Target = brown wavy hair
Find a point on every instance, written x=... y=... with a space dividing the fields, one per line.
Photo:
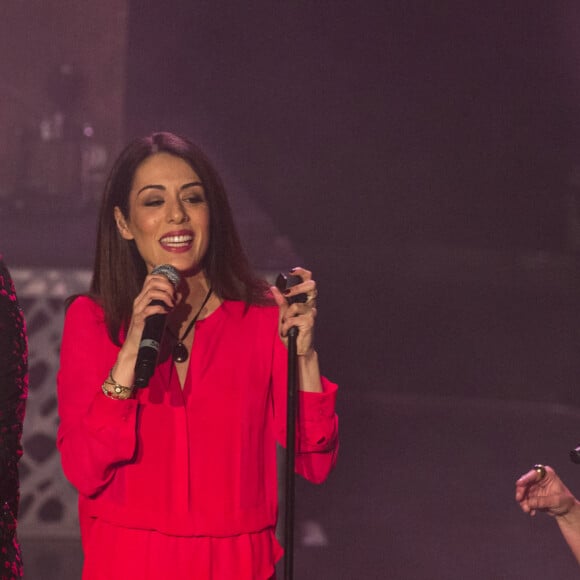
x=119 y=271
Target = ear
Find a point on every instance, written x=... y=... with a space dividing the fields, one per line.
x=122 y=224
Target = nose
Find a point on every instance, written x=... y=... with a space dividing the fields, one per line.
x=176 y=212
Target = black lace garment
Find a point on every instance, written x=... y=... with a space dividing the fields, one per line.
x=13 y=393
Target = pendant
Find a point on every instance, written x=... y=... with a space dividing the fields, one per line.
x=180 y=353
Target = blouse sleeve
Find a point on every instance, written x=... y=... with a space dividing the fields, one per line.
x=96 y=434
x=316 y=422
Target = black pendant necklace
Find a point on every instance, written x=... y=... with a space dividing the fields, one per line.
x=180 y=352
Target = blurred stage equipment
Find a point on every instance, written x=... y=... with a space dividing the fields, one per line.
x=67 y=163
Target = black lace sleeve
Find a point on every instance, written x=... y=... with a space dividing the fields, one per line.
x=13 y=394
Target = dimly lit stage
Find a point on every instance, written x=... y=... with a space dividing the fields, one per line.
x=459 y=373
x=423 y=491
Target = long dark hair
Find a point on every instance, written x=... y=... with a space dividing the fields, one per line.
x=119 y=271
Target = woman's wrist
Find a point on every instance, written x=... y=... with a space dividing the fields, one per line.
x=114 y=390
x=309 y=356
x=309 y=372
x=570 y=516
x=124 y=368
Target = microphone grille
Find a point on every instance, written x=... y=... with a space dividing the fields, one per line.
x=170 y=272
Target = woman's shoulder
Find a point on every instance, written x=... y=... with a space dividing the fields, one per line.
x=84 y=306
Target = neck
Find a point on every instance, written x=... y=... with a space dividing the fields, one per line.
x=193 y=290
x=195 y=287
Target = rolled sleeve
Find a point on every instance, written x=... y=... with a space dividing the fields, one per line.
x=317 y=419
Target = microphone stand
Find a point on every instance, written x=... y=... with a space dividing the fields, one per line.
x=290 y=455
x=282 y=283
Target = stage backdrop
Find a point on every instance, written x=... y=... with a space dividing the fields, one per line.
x=62 y=95
x=48 y=502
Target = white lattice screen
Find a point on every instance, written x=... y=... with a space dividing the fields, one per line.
x=48 y=501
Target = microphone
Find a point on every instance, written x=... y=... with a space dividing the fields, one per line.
x=152 y=333
x=283 y=282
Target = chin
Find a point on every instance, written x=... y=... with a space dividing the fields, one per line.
x=190 y=269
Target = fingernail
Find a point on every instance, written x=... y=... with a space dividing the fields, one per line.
x=293 y=270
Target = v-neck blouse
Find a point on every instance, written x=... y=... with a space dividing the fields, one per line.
x=197 y=461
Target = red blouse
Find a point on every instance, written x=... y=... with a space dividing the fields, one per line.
x=197 y=461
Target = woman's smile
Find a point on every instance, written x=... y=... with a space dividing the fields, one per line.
x=180 y=241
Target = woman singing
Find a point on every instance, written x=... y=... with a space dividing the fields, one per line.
x=178 y=479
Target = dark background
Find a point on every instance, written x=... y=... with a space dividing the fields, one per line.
x=454 y=122
x=413 y=151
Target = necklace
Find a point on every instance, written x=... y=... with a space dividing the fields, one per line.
x=180 y=352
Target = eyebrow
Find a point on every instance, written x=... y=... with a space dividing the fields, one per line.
x=162 y=187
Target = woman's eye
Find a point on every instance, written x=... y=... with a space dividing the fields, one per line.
x=152 y=202
x=194 y=198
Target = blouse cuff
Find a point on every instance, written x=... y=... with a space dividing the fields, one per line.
x=113 y=422
x=318 y=406
x=318 y=419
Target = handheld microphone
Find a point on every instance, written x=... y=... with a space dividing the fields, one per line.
x=283 y=282
x=152 y=333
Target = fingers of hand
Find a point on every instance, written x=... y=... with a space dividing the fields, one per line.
x=157 y=296
x=554 y=504
x=549 y=496
x=305 y=325
x=278 y=298
x=302 y=272
x=311 y=298
x=520 y=492
x=528 y=478
x=524 y=506
x=529 y=488
x=160 y=283
x=529 y=505
x=299 y=315
x=307 y=286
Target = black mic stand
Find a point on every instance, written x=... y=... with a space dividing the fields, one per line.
x=283 y=282
x=290 y=452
